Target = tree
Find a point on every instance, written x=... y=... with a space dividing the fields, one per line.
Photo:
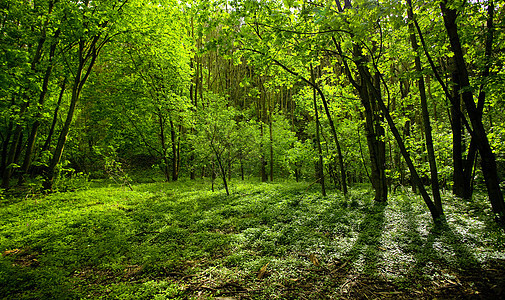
x=462 y=82
x=217 y=135
x=426 y=118
x=143 y=76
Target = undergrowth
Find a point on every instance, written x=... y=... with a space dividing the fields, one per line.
x=277 y=240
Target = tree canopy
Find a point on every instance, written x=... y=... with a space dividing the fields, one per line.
x=261 y=149
x=391 y=93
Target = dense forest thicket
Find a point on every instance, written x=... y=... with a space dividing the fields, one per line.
x=393 y=93
x=284 y=129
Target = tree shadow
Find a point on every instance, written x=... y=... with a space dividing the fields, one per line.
x=444 y=265
x=366 y=247
x=357 y=274
x=442 y=244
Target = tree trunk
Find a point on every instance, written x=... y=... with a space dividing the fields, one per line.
x=460 y=186
x=35 y=127
x=335 y=138
x=373 y=128
x=174 y=150
x=6 y=141
x=271 y=147
x=47 y=143
x=5 y=147
x=85 y=54
x=469 y=162
x=435 y=214
x=241 y=169
x=48 y=183
x=320 y=170
x=14 y=150
x=263 y=163
x=488 y=161
x=222 y=170
x=370 y=96
x=426 y=118
x=164 y=148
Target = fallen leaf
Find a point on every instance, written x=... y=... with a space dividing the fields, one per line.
x=9 y=252
x=262 y=271
x=313 y=259
x=451 y=282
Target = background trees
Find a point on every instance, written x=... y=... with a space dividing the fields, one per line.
x=47 y=43
x=227 y=88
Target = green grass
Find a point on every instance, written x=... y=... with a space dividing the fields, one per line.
x=180 y=240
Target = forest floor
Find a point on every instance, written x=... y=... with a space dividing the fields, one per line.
x=265 y=241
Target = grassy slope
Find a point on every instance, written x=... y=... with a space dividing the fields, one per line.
x=180 y=240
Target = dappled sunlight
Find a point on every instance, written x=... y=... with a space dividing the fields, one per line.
x=266 y=240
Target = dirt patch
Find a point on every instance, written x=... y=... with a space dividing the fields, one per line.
x=340 y=283
x=23 y=258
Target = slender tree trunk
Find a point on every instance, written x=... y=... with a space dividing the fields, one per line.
x=320 y=170
x=435 y=214
x=192 y=174
x=48 y=183
x=373 y=127
x=241 y=169
x=178 y=165
x=471 y=157
x=370 y=97
x=8 y=170
x=459 y=183
x=174 y=150
x=222 y=170
x=19 y=147
x=166 y=170
x=164 y=147
x=374 y=131
x=16 y=146
x=335 y=138
x=5 y=148
x=263 y=163
x=30 y=145
x=86 y=55
x=35 y=127
x=14 y=150
x=426 y=118
x=47 y=143
x=367 y=81
x=6 y=141
x=213 y=175
x=271 y=147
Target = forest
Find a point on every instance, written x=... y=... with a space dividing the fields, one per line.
x=252 y=149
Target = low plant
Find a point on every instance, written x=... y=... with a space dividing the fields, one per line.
x=277 y=240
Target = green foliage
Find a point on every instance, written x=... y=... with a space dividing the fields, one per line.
x=300 y=155
x=162 y=240
x=67 y=179
x=222 y=88
x=156 y=290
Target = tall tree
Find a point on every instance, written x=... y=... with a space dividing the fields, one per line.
x=426 y=118
x=450 y=13
x=319 y=168
x=91 y=26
